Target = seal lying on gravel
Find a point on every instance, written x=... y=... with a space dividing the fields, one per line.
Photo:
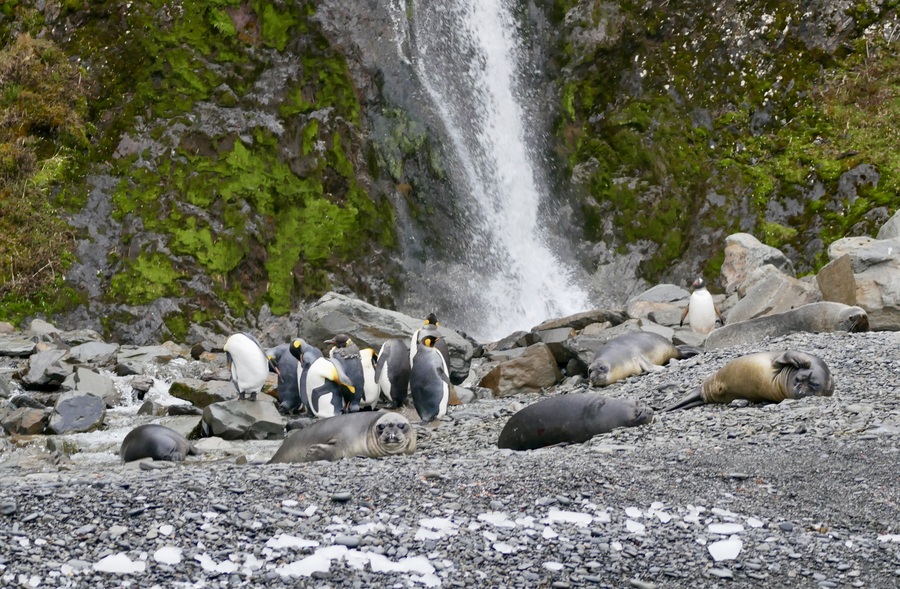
x=368 y=433
x=634 y=353
x=157 y=442
x=764 y=377
x=572 y=418
x=823 y=317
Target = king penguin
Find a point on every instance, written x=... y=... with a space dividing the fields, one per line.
x=429 y=328
x=392 y=372
x=701 y=312
x=429 y=381
x=288 y=377
x=248 y=364
x=369 y=359
x=345 y=354
x=326 y=388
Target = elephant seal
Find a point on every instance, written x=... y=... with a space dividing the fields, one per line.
x=822 y=317
x=369 y=433
x=764 y=377
x=572 y=418
x=157 y=442
x=634 y=353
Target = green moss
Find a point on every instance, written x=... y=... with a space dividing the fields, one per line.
x=177 y=325
x=149 y=277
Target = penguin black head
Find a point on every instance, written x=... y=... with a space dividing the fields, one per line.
x=296 y=348
x=430 y=340
x=431 y=319
x=340 y=340
x=699 y=283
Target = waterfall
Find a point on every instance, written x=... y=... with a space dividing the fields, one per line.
x=467 y=57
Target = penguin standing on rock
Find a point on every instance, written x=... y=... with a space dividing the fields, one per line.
x=429 y=381
x=701 y=312
x=345 y=354
x=392 y=372
x=248 y=364
x=326 y=389
x=368 y=359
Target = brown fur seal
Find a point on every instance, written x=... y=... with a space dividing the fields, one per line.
x=572 y=418
x=367 y=433
x=634 y=353
x=764 y=377
x=823 y=317
x=157 y=442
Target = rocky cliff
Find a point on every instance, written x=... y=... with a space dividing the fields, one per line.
x=210 y=159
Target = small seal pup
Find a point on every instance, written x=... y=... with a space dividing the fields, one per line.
x=392 y=372
x=634 y=353
x=572 y=418
x=701 y=312
x=371 y=433
x=763 y=377
x=157 y=442
x=248 y=364
x=821 y=317
x=429 y=381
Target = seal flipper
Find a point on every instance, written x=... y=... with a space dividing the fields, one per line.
x=328 y=451
x=694 y=399
x=685 y=351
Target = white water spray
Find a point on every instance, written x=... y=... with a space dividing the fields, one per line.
x=467 y=57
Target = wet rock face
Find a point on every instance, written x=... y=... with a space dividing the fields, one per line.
x=77 y=412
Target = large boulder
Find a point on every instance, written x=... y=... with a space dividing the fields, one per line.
x=77 y=412
x=876 y=272
x=579 y=321
x=95 y=353
x=47 y=369
x=16 y=345
x=534 y=370
x=744 y=254
x=767 y=291
x=201 y=393
x=370 y=326
x=143 y=354
x=26 y=421
x=661 y=298
x=891 y=228
x=84 y=380
x=836 y=281
x=243 y=420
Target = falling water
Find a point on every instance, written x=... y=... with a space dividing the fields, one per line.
x=467 y=57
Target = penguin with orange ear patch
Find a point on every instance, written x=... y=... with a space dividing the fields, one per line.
x=429 y=381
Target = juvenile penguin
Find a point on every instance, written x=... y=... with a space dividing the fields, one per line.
x=764 y=377
x=429 y=381
x=429 y=328
x=288 y=377
x=248 y=364
x=701 y=312
x=157 y=442
x=326 y=389
x=345 y=354
x=370 y=387
x=392 y=372
x=634 y=353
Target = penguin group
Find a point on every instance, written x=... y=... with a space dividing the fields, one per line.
x=348 y=378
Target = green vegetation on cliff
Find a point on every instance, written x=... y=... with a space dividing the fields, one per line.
x=690 y=118
x=234 y=130
x=42 y=129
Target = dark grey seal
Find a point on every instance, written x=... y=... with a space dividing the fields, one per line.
x=157 y=442
x=571 y=418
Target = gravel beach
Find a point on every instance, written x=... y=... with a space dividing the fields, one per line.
x=802 y=494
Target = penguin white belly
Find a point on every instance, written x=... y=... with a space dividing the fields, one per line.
x=249 y=364
x=320 y=388
x=370 y=387
x=701 y=312
x=384 y=381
